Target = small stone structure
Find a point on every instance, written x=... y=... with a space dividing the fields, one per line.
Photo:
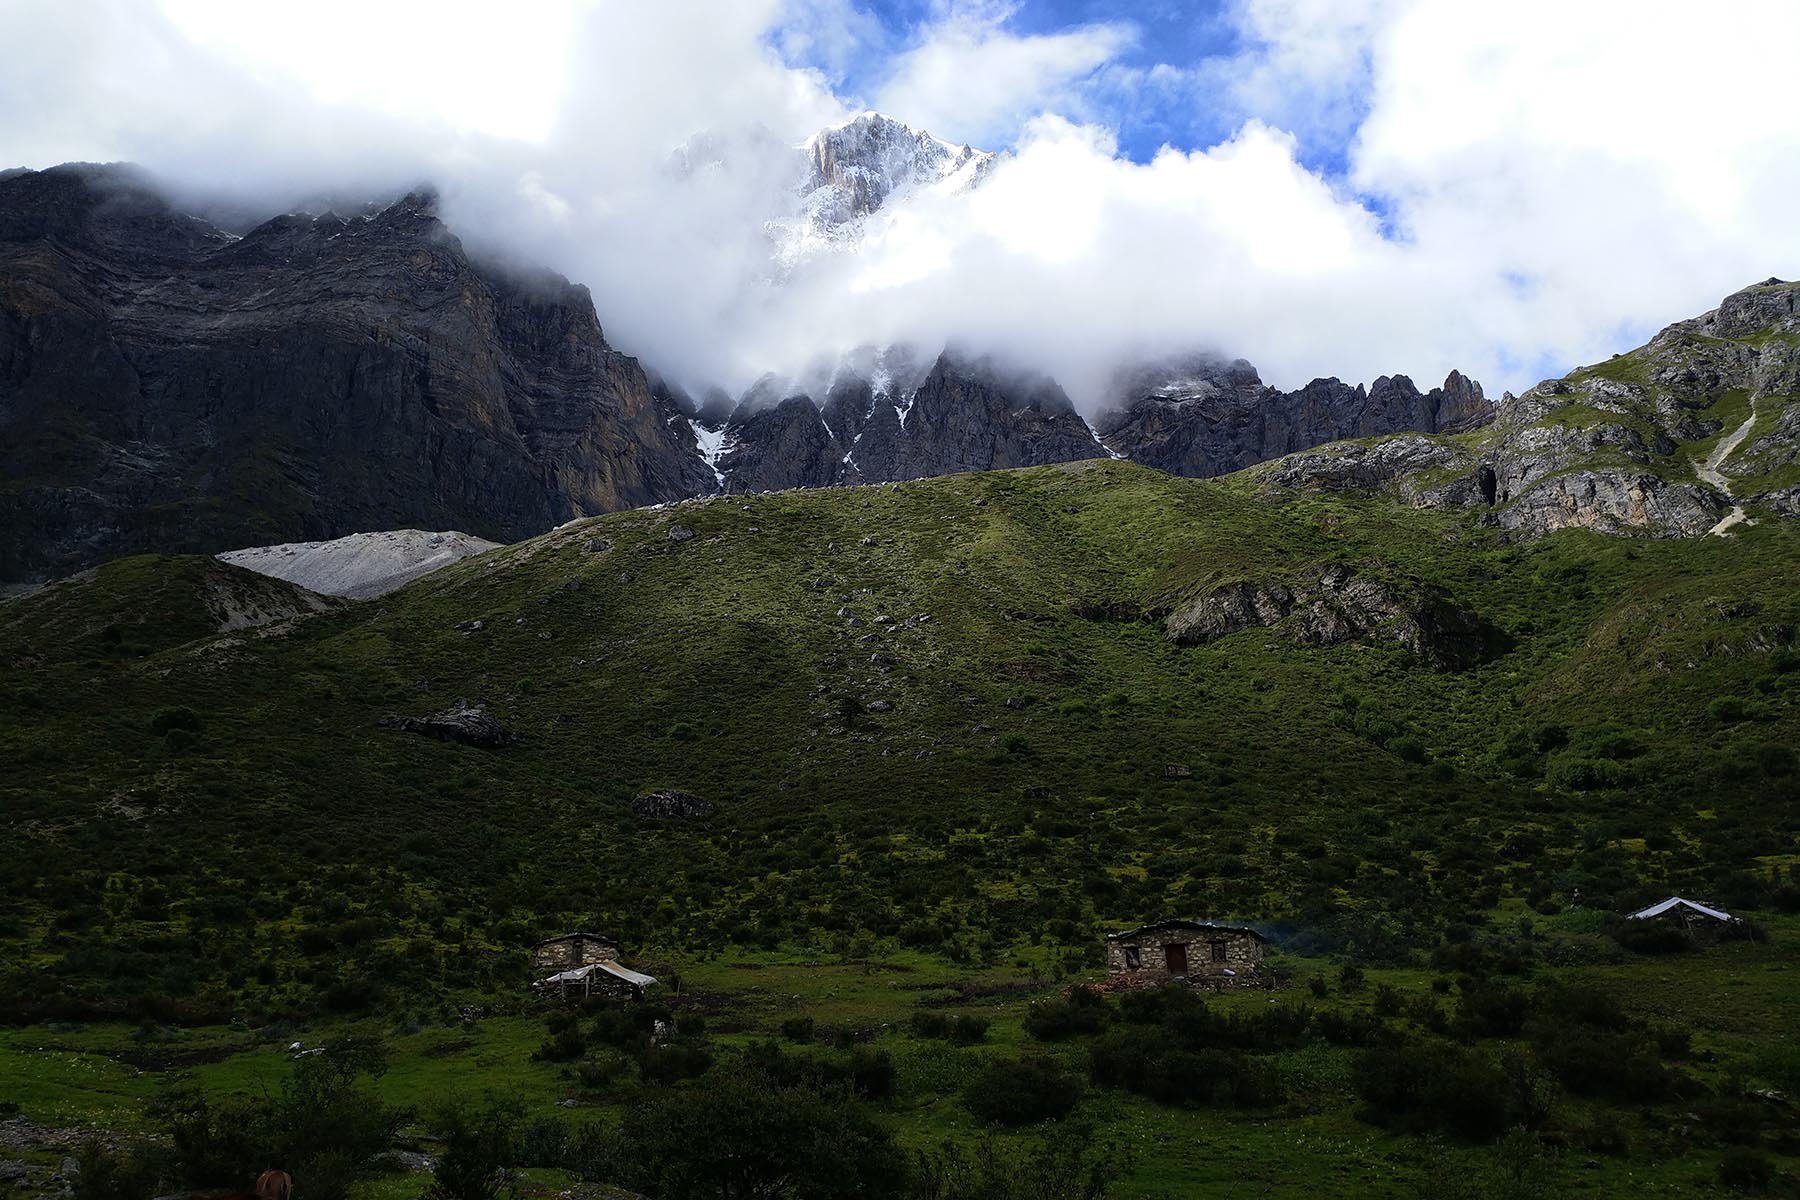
x=572 y=950
x=1196 y=951
x=584 y=965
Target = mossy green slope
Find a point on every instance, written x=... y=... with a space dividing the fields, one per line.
x=1039 y=772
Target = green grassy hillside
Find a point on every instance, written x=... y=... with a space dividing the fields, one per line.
x=975 y=788
x=1039 y=773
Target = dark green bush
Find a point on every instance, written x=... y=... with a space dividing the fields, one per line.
x=1728 y=709
x=1078 y=1014
x=1745 y=1170
x=1617 y=1066
x=1019 y=1091
x=1150 y=1063
x=166 y=720
x=960 y=1028
x=129 y=1173
x=479 y=1147
x=670 y=1062
x=325 y=1126
x=741 y=1135
x=1426 y=1085
x=1060 y=1166
x=1490 y=1010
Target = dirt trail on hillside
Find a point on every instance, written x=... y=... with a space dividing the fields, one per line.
x=1709 y=471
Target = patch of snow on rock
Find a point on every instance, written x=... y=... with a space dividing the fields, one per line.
x=714 y=444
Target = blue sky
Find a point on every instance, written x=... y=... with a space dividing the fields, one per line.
x=1189 y=104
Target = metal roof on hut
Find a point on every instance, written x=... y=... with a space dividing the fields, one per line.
x=1182 y=923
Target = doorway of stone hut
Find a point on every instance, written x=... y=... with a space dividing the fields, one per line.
x=1175 y=955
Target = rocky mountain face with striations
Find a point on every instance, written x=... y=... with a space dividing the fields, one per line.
x=1698 y=431
x=1206 y=417
x=961 y=414
x=1199 y=418
x=166 y=385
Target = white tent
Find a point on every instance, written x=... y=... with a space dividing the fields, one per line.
x=584 y=976
x=1680 y=907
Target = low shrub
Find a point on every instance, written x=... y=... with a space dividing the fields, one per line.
x=1745 y=1170
x=743 y=1134
x=950 y=1027
x=671 y=1062
x=1080 y=1013
x=1149 y=1063
x=479 y=1146
x=1431 y=1085
x=129 y=1173
x=1019 y=1091
x=1061 y=1166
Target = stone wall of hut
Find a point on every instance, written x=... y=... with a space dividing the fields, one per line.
x=566 y=954
x=1243 y=954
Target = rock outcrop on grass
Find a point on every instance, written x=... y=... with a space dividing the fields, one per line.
x=670 y=803
x=1332 y=604
x=465 y=723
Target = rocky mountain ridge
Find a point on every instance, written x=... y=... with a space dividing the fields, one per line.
x=165 y=385
x=1197 y=417
x=1690 y=434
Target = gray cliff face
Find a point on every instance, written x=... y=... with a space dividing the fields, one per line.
x=1207 y=417
x=964 y=415
x=1693 y=433
x=166 y=386
x=1200 y=418
x=780 y=446
x=970 y=416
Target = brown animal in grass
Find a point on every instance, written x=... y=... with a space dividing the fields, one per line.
x=274 y=1185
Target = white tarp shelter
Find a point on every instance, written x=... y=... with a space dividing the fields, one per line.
x=1676 y=906
x=584 y=976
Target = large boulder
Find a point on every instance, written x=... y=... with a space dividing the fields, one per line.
x=465 y=723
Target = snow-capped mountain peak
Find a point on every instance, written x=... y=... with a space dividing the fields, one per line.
x=836 y=191
x=858 y=165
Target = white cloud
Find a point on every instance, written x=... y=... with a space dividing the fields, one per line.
x=506 y=62
x=1631 y=160
x=1523 y=187
x=970 y=80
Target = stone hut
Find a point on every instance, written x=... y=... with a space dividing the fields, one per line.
x=1198 y=951
x=573 y=950
x=584 y=965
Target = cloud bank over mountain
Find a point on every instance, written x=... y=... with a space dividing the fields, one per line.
x=1400 y=186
